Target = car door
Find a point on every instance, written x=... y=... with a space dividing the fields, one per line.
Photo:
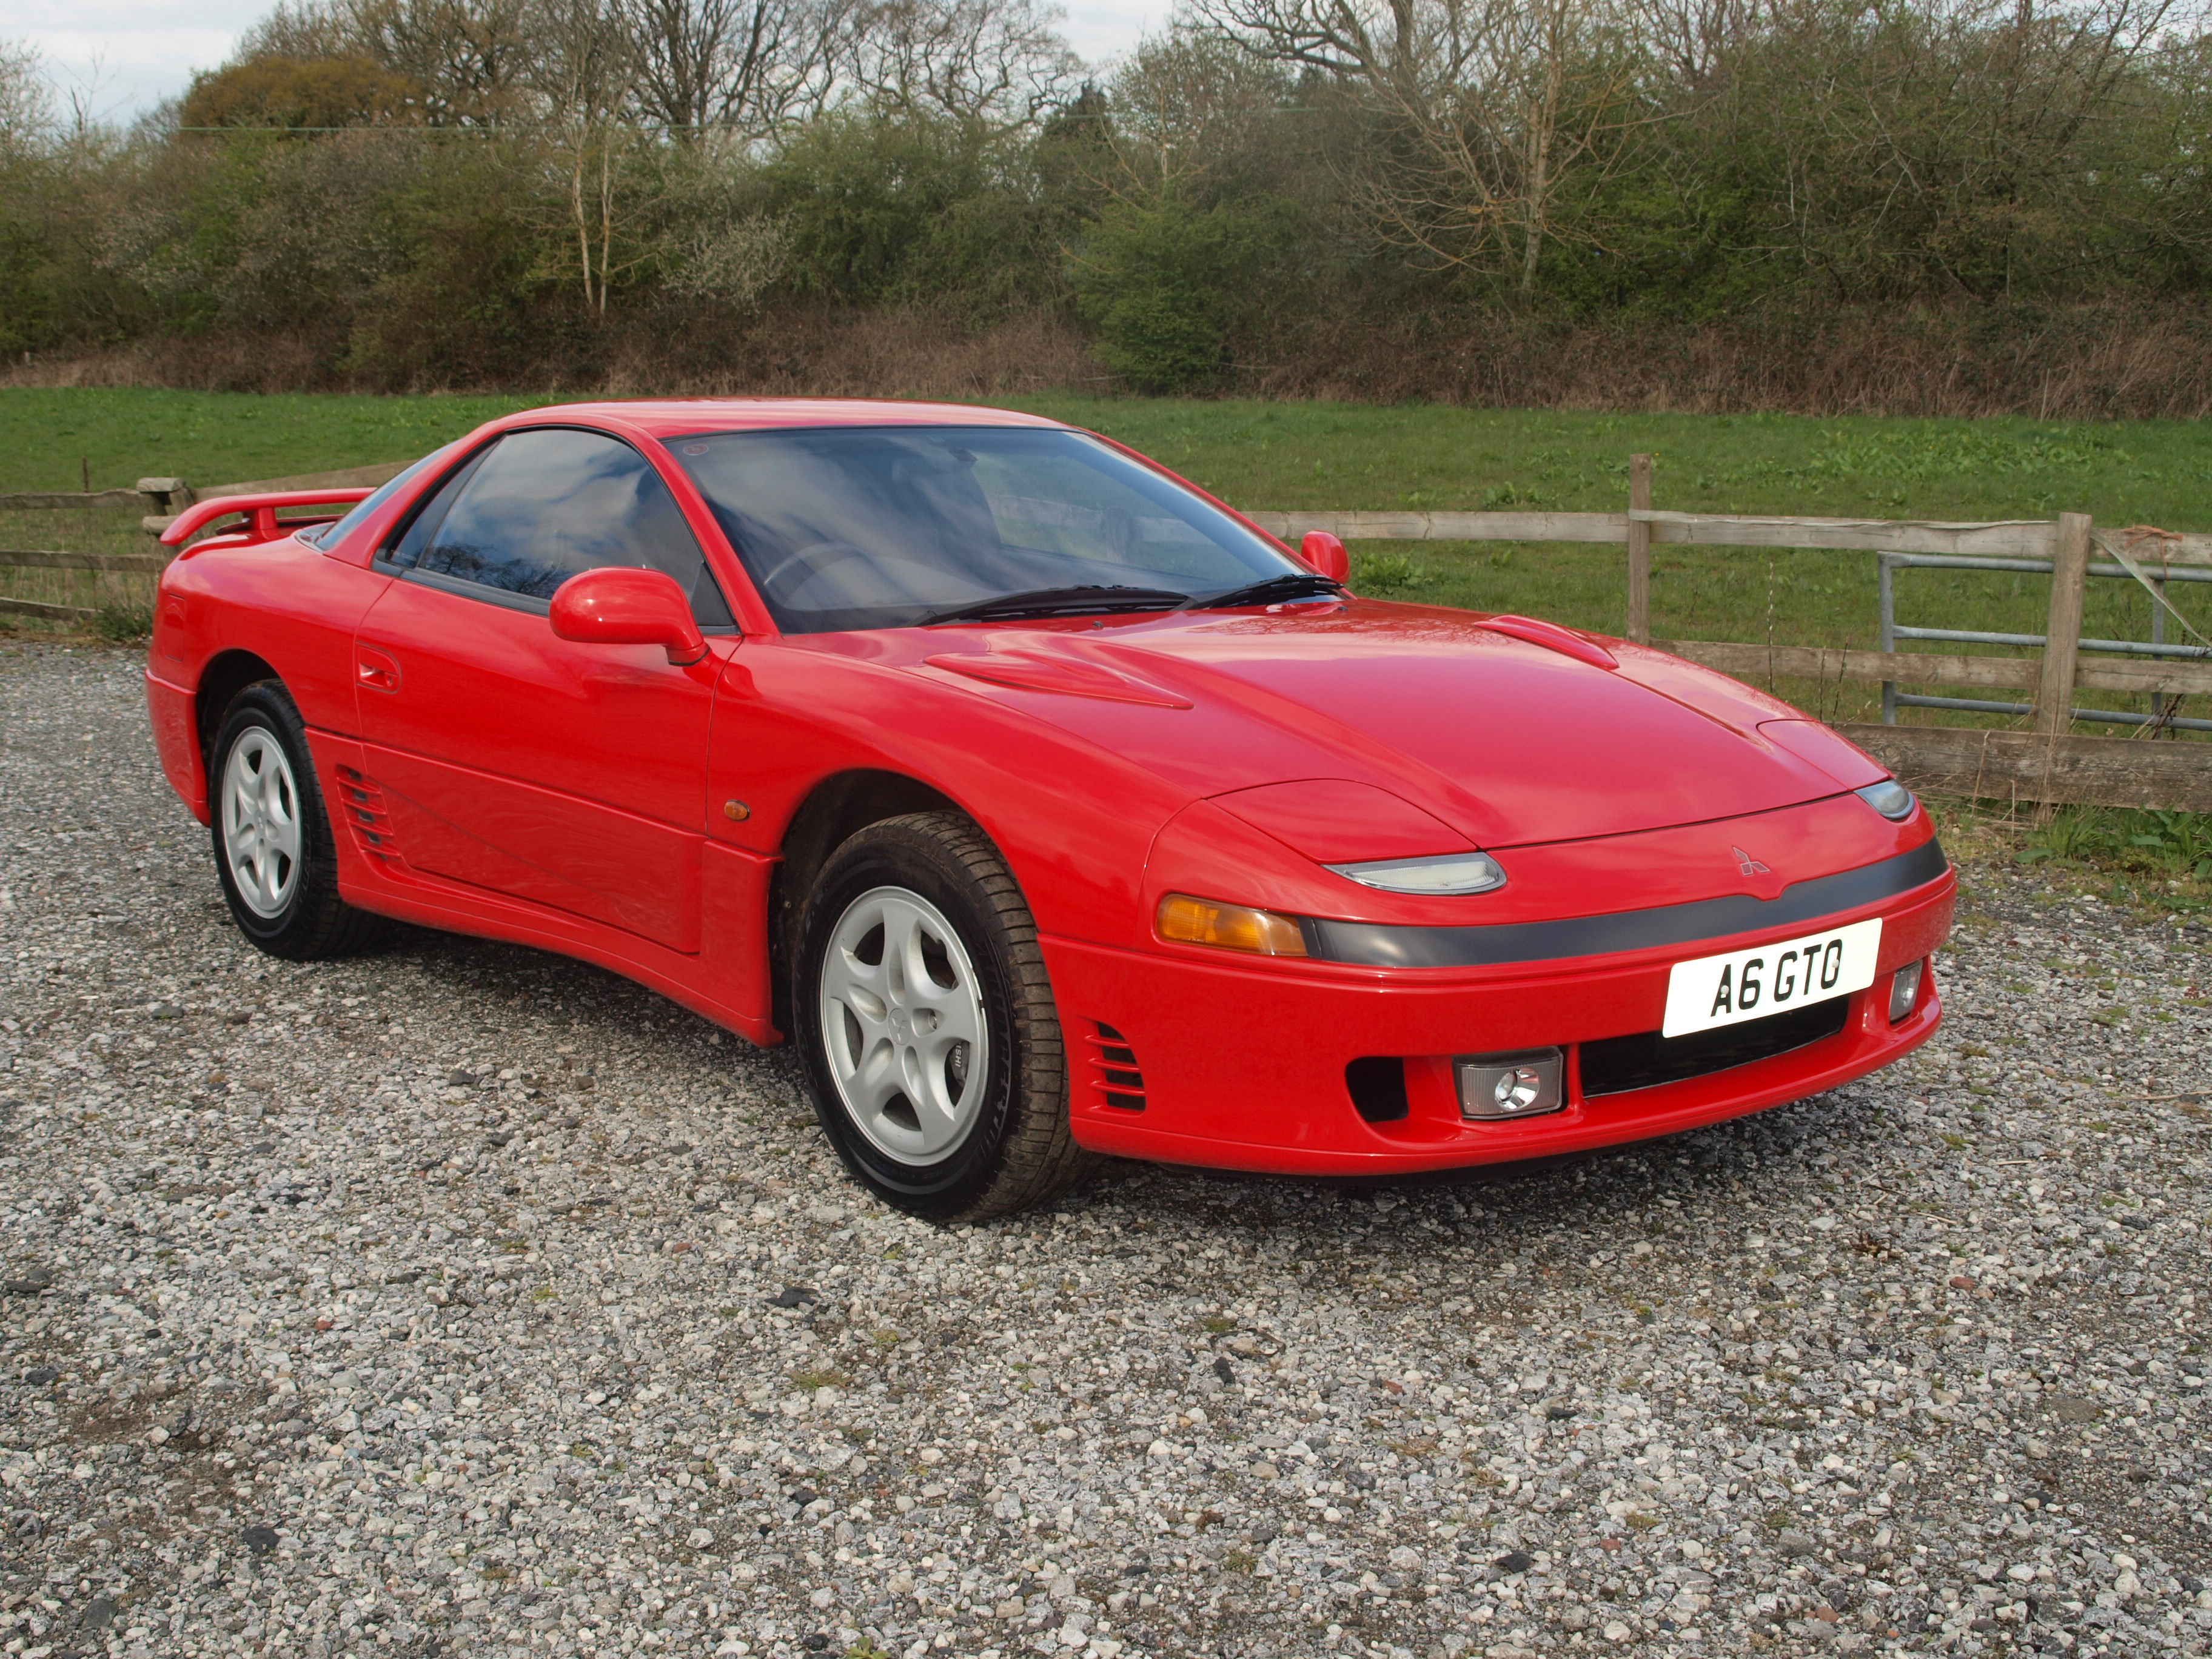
x=565 y=774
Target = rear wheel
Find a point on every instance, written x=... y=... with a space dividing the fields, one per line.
x=925 y=1024
x=273 y=846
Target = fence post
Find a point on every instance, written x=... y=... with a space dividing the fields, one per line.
x=1639 y=551
x=1885 y=592
x=2062 y=645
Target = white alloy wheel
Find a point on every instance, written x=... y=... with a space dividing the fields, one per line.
x=261 y=831
x=902 y=1024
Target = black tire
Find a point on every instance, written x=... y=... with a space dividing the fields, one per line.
x=1016 y=1149
x=311 y=923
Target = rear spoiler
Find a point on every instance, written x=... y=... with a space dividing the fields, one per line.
x=262 y=524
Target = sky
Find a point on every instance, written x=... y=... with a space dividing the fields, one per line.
x=122 y=56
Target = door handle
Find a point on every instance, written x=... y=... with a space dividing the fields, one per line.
x=374 y=671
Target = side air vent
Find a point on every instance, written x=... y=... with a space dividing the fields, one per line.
x=1378 y=1086
x=361 y=804
x=1113 y=1070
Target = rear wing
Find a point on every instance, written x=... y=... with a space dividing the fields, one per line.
x=261 y=515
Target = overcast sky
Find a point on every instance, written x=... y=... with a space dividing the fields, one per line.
x=128 y=55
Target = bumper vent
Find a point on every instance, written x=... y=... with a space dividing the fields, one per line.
x=361 y=805
x=1377 y=1084
x=1114 y=1072
x=1646 y=1060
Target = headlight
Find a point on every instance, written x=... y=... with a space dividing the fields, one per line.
x=1231 y=927
x=1455 y=872
x=1889 y=797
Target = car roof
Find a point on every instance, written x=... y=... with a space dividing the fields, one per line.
x=671 y=416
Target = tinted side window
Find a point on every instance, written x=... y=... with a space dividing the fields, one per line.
x=331 y=534
x=539 y=506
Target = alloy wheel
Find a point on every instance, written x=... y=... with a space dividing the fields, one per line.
x=902 y=1024
x=261 y=831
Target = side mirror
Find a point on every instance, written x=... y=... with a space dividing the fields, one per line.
x=620 y=604
x=1326 y=554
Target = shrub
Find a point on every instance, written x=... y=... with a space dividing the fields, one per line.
x=123 y=622
x=1377 y=573
x=279 y=91
x=1168 y=286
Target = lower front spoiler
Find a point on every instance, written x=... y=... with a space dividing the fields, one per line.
x=1220 y=1064
x=1867 y=1043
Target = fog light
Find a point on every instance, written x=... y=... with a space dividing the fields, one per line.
x=1904 y=990
x=1520 y=1085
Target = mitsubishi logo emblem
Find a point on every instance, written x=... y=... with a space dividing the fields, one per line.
x=1747 y=865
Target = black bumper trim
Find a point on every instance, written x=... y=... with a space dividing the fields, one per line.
x=1367 y=944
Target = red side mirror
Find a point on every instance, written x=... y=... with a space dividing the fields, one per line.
x=1326 y=554
x=619 y=605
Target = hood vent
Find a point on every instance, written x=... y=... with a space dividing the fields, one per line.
x=1070 y=676
x=1533 y=631
x=1114 y=1072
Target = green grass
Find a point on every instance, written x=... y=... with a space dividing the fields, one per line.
x=127 y=433
x=1273 y=455
x=1325 y=455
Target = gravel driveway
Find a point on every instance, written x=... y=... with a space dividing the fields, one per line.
x=459 y=1299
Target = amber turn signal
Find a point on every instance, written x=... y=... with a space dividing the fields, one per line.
x=1232 y=926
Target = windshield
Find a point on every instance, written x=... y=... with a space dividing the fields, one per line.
x=863 y=527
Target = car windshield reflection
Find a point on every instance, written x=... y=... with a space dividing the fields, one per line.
x=889 y=526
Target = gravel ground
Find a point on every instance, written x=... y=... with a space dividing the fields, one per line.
x=459 y=1300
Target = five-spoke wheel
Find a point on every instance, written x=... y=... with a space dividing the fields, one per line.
x=261 y=841
x=903 y=1019
x=273 y=846
x=927 y=1025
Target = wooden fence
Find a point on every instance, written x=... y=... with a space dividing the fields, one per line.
x=160 y=500
x=2042 y=765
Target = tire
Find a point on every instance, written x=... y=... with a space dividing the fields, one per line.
x=954 y=1007
x=273 y=849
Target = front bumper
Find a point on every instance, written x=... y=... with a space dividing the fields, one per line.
x=1199 y=1058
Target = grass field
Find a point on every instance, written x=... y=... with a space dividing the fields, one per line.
x=1292 y=456
x=1275 y=455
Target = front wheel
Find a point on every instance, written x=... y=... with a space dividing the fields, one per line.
x=925 y=1024
x=273 y=846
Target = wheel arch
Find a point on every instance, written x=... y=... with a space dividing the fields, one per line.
x=227 y=674
x=837 y=808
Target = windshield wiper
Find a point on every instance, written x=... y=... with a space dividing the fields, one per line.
x=1274 y=589
x=1059 y=602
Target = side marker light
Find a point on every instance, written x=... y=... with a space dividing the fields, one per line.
x=1190 y=921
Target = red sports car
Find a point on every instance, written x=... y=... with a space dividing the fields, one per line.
x=1052 y=807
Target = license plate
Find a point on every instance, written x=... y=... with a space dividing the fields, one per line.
x=1770 y=979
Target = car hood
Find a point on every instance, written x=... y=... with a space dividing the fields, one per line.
x=1505 y=739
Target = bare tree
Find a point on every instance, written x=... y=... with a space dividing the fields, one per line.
x=743 y=67
x=472 y=56
x=1190 y=106
x=27 y=102
x=302 y=30
x=583 y=71
x=1001 y=63
x=1489 y=110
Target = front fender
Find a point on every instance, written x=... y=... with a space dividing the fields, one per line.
x=1072 y=819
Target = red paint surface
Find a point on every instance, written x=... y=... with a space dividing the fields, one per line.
x=490 y=778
